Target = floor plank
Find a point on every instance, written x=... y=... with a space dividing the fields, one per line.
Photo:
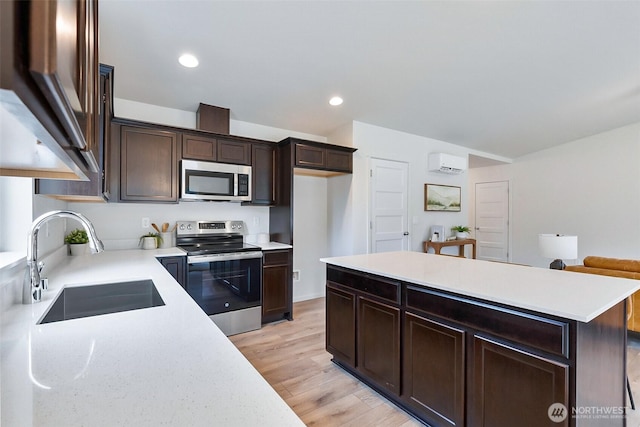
x=291 y=356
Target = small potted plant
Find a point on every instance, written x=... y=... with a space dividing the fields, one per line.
x=462 y=232
x=150 y=240
x=78 y=242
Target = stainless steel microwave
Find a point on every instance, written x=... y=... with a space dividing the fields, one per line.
x=215 y=181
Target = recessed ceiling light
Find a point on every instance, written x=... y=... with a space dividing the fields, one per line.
x=188 y=60
x=336 y=100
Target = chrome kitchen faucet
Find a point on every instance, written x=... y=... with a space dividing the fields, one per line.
x=32 y=287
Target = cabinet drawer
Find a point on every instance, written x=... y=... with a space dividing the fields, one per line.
x=529 y=329
x=275 y=257
x=373 y=285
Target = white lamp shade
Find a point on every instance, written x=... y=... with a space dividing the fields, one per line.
x=558 y=246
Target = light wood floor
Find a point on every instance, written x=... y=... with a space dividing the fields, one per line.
x=292 y=358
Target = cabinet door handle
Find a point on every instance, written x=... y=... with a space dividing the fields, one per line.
x=406 y=233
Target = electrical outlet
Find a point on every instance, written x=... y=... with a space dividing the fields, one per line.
x=256 y=220
x=296 y=275
x=145 y=223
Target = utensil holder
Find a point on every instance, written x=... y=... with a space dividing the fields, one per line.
x=167 y=240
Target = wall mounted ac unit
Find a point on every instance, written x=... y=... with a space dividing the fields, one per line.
x=446 y=163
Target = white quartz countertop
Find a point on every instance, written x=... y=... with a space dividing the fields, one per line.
x=272 y=246
x=570 y=295
x=167 y=365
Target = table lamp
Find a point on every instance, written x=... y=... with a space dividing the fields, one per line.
x=558 y=247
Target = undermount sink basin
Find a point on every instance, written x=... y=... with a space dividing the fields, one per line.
x=85 y=301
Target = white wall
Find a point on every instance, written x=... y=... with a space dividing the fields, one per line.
x=588 y=187
x=119 y=225
x=309 y=235
x=376 y=142
x=15 y=213
x=187 y=119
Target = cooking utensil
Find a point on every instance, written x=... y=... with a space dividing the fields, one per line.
x=165 y=227
x=155 y=227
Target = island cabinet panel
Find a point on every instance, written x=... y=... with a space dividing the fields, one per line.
x=545 y=334
x=385 y=289
x=341 y=325
x=434 y=370
x=378 y=348
x=453 y=360
x=510 y=384
x=148 y=165
x=195 y=147
x=364 y=326
x=276 y=285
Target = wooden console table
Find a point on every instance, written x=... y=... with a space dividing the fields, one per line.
x=437 y=246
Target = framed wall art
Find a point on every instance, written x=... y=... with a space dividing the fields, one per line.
x=441 y=198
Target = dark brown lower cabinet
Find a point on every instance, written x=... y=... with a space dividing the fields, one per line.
x=276 y=285
x=511 y=384
x=378 y=339
x=451 y=360
x=434 y=370
x=341 y=325
x=177 y=267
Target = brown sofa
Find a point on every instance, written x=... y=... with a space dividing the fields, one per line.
x=627 y=268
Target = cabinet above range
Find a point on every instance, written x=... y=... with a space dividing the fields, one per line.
x=145 y=159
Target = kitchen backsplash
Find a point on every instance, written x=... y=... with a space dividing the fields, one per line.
x=119 y=225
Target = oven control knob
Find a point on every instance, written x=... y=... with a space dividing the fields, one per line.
x=226 y=304
x=189 y=227
x=181 y=227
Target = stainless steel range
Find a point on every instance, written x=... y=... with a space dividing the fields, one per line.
x=224 y=274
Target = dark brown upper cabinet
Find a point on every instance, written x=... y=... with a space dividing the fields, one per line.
x=322 y=157
x=236 y=152
x=66 y=69
x=197 y=147
x=97 y=188
x=50 y=76
x=148 y=165
x=263 y=162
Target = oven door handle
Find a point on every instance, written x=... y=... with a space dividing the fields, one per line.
x=223 y=257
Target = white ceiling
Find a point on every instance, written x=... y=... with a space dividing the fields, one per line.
x=503 y=77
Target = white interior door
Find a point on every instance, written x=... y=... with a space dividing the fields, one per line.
x=388 y=206
x=492 y=221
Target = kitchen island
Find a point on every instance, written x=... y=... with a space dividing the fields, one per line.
x=165 y=365
x=464 y=342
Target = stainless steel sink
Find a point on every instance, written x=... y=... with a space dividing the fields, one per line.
x=84 y=301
